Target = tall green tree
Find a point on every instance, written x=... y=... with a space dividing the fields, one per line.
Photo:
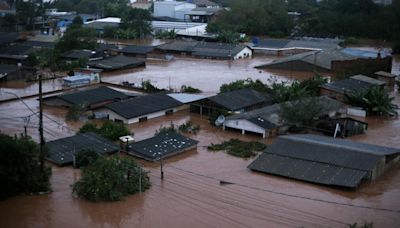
x=77 y=38
x=20 y=170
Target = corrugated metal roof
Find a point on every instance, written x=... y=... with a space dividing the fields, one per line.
x=241 y=99
x=143 y=105
x=321 y=159
x=93 y=96
x=347 y=86
x=137 y=49
x=367 y=79
x=186 y=97
x=116 y=62
x=61 y=151
x=163 y=144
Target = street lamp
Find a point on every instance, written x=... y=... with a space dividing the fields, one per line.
x=160 y=157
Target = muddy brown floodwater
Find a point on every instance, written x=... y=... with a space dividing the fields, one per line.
x=191 y=193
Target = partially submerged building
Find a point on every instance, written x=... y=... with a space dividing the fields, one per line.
x=267 y=121
x=77 y=54
x=329 y=61
x=386 y=77
x=324 y=160
x=340 y=90
x=142 y=108
x=161 y=146
x=119 y=62
x=237 y=101
x=136 y=50
x=208 y=50
x=62 y=151
x=89 y=98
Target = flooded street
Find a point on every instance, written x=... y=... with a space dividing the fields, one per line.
x=191 y=193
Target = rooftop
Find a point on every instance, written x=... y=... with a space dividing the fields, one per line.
x=137 y=49
x=163 y=144
x=143 y=105
x=78 y=54
x=186 y=97
x=320 y=159
x=240 y=99
x=61 y=151
x=282 y=44
x=367 y=79
x=116 y=63
x=347 y=86
x=93 y=96
x=6 y=38
x=385 y=74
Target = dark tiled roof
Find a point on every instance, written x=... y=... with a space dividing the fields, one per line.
x=184 y=46
x=347 y=86
x=78 y=54
x=143 y=105
x=320 y=159
x=272 y=43
x=240 y=99
x=39 y=44
x=7 y=69
x=116 y=63
x=217 y=49
x=16 y=50
x=137 y=49
x=93 y=96
x=61 y=151
x=167 y=144
x=6 y=38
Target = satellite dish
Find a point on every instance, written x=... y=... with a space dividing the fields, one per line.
x=220 y=120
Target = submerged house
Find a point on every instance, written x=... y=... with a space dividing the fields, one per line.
x=142 y=108
x=329 y=61
x=267 y=121
x=237 y=101
x=209 y=50
x=89 y=98
x=386 y=76
x=162 y=145
x=324 y=160
x=119 y=62
x=136 y=50
x=342 y=126
x=339 y=90
x=62 y=151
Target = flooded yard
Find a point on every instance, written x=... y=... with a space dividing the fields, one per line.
x=191 y=193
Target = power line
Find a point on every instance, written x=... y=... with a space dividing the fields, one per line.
x=288 y=194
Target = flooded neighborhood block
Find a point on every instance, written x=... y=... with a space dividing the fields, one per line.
x=163 y=145
x=325 y=160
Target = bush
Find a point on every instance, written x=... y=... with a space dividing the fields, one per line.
x=111 y=180
x=20 y=167
x=85 y=157
x=189 y=127
x=189 y=89
x=242 y=84
x=238 y=148
x=110 y=130
x=75 y=112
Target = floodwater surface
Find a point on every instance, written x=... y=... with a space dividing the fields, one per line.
x=191 y=194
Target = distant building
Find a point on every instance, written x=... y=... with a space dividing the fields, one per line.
x=172 y=9
x=100 y=24
x=324 y=160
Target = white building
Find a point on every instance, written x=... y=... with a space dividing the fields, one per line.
x=173 y=9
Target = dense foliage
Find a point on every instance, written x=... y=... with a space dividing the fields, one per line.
x=111 y=179
x=20 y=167
x=85 y=157
x=189 y=89
x=375 y=100
x=301 y=113
x=348 y=18
x=110 y=130
x=238 y=148
x=77 y=37
x=242 y=84
x=75 y=112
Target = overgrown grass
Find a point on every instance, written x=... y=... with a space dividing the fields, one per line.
x=238 y=148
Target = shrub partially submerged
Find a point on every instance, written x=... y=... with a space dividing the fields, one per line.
x=238 y=148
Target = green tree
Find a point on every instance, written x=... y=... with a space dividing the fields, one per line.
x=113 y=130
x=301 y=112
x=88 y=127
x=137 y=20
x=375 y=100
x=242 y=84
x=20 y=169
x=75 y=112
x=77 y=38
x=111 y=179
x=85 y=157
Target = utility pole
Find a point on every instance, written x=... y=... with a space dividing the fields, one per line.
x=41 y=123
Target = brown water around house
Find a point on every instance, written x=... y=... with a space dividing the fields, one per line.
x=191 y=193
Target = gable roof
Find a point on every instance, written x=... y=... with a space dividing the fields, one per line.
x=78 y=54
x=116 y=62
x=367 y=79
x=61 y=151
x=385 y=74
x=320 y=159
x=143 y=105
x=217 y=49
x=347 y=86
x=166 y=144
x=93 y=96
x=240 y=99
x=187 y=98
x=322 y=59
x=311 y=44
x=137 y=49
x=178 y=45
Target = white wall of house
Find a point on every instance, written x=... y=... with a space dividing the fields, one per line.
x=114 y=116
x=245 y=53
x=244 y=125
